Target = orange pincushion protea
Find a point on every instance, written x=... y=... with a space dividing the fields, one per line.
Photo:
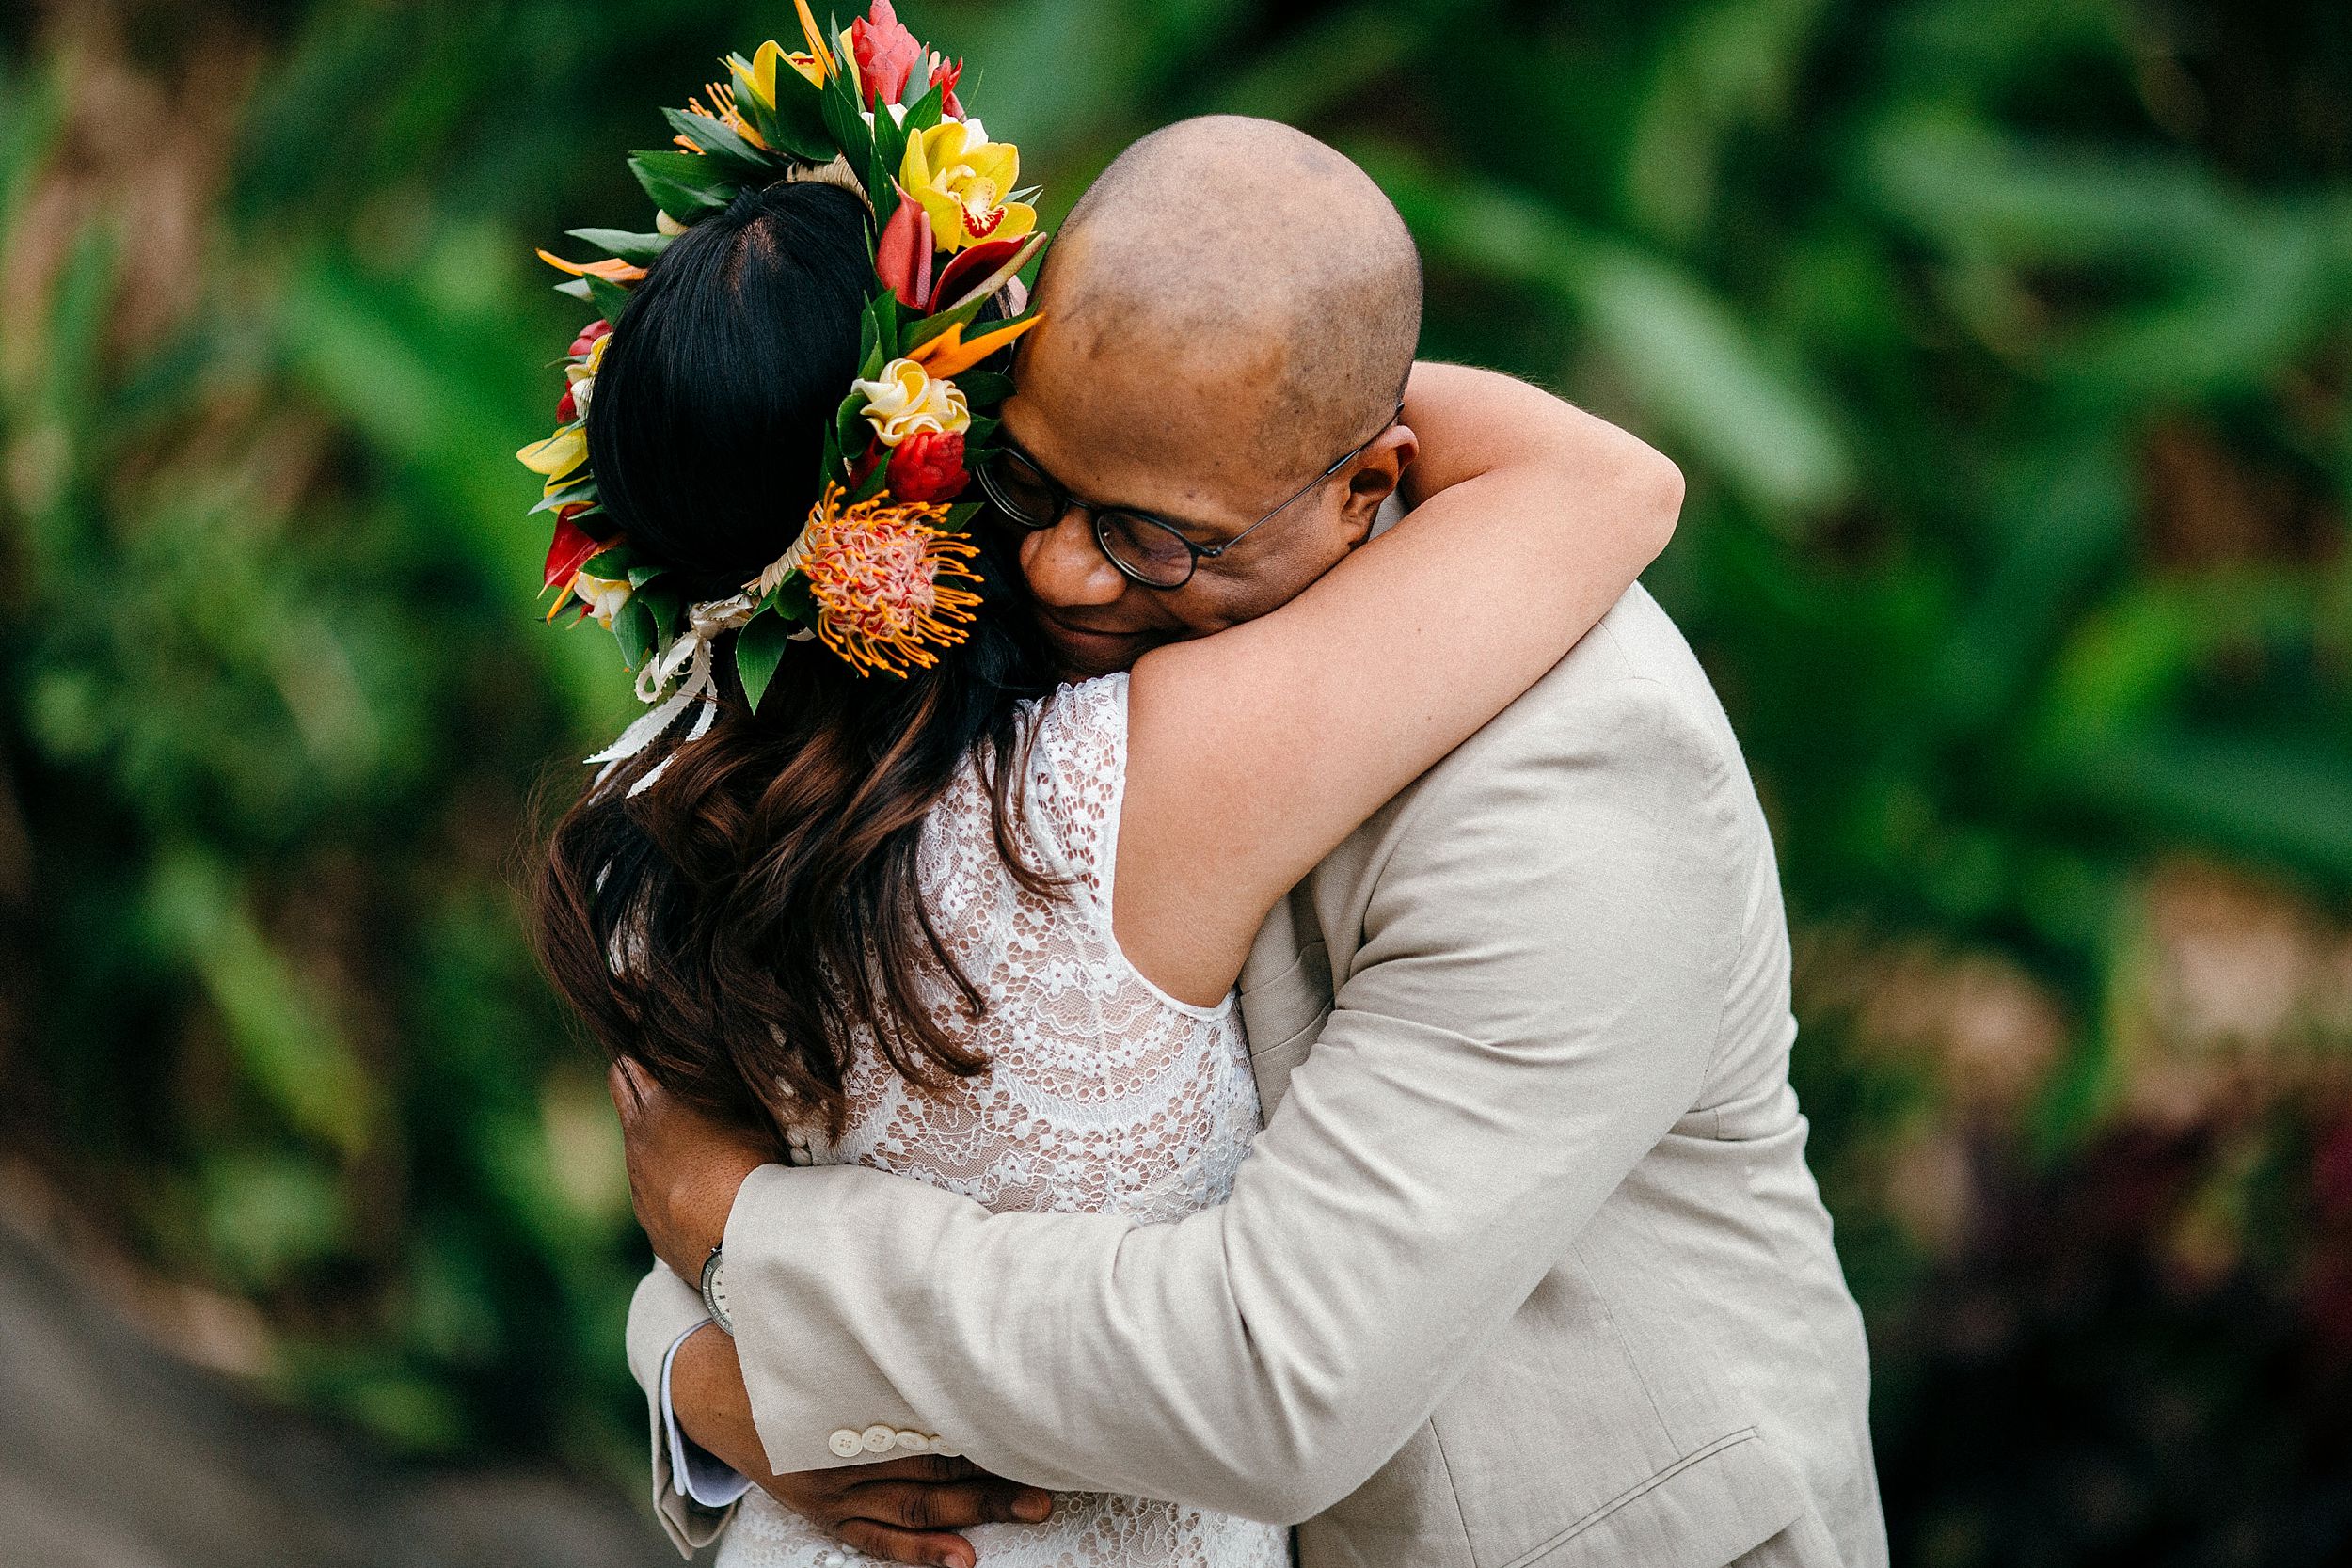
x=877 y=571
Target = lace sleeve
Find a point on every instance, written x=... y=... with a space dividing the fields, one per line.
x=1077 y=776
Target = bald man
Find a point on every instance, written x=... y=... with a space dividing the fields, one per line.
x=1526 y=1267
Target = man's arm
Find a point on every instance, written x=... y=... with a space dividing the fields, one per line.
x=1535 y=1003
x=664 y=1307
x=904 y=1509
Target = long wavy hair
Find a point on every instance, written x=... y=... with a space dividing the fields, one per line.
x=740 y=924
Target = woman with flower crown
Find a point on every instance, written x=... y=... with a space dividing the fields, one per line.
x=850 y=880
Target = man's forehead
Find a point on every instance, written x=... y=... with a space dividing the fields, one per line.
x=1137 y=459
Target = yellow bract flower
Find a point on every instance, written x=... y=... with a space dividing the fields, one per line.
x=875 y=571
x=556 y=456
x=814 y=64
x=963 y=180
x=587 y=367
x=907 y=399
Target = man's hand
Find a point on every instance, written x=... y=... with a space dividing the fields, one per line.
x=904 y=1511
x=684 y=1168
x=908 y=1510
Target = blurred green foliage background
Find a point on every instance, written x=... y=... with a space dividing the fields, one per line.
x=2007 y=344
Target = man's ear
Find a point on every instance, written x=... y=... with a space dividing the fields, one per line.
x=1375 y=477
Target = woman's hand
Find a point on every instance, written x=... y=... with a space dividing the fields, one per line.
x=684 y=1168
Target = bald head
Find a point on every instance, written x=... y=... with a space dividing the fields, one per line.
x=1254 y=272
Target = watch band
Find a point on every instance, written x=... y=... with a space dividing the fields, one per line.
x=714 y=1299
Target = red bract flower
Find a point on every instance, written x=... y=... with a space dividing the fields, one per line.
x=870 y=459
x=887 y=55
x=928 y=466
x=567 y=407
x=588 y=336
x=902 y=256
x=970 y=265
x=571 y=546
x=945 y=75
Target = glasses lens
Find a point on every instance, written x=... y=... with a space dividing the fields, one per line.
x=1151 y=550
x=1020 y=490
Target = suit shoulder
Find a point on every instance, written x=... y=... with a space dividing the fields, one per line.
x=1631 y=688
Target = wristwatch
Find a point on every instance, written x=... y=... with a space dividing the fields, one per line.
x=715 y=1293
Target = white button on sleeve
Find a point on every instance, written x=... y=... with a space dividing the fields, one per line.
x=846 y=1444
x=880 y=1438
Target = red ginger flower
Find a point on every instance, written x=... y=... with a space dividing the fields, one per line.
x=928 y=466
x=902 y=256
x=887 y=55
x=945 y=75
x=877 y=571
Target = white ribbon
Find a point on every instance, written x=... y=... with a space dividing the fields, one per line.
x=689 y=654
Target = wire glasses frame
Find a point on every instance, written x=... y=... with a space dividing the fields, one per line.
x=1147 y=549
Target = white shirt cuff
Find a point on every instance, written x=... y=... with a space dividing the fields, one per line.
x=702 y=1475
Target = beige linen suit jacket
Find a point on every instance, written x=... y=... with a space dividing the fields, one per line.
x=1526 y=1268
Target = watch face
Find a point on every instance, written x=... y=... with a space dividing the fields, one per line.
x=714 y=1288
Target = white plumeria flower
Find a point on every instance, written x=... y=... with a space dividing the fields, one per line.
x=907 y=399
x=604 y=596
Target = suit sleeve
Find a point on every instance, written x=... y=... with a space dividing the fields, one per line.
x=1535 y=1003
x=664 y=1307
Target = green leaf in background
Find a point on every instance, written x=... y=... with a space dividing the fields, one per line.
x=1696 y=366
x=285 y=1040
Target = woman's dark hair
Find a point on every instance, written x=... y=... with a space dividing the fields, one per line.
x=734 y=928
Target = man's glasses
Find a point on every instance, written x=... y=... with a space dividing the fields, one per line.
x=1148 y=549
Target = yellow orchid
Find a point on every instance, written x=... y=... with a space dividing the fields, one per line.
x=949 y=355
x=907 y=398
x=963 y=180
x=556 y=456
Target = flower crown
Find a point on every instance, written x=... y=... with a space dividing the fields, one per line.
x=874 y=570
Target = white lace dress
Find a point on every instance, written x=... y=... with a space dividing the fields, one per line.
x=1105 y=1094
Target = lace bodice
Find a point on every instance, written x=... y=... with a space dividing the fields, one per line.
x=1103 y=1094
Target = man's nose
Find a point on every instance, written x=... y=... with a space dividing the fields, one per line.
x=1066 y=567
